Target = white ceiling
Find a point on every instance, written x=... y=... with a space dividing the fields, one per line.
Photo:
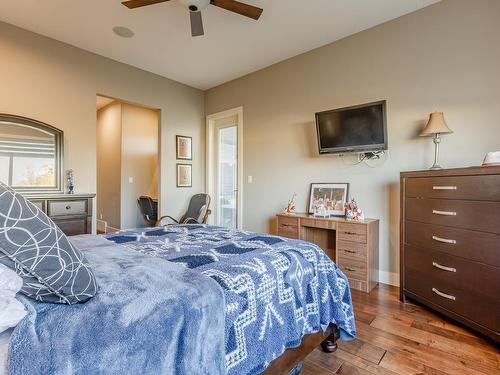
x=232 y=46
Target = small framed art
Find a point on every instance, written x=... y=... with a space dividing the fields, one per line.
x=184 y=175
x=184 y=147
x=329 y=199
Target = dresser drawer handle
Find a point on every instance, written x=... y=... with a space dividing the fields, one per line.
x=445 y=240
x=351 y=233
x=350 y=269
x=444 y=188
x=288 y=225
x=444 y=295
x=444 y=268
x=68 y=207
x=350 y=251
x=444 y=213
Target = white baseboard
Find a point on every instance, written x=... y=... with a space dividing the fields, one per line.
x=391 y=278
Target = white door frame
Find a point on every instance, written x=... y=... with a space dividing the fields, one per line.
x=210 y=162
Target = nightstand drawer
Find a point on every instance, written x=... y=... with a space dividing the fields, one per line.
x=67 y=208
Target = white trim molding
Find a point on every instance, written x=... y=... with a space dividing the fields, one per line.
x=211 y=119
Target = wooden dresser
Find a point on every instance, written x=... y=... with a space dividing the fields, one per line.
x=450 y=244
x=352 y=245
x=71 y=212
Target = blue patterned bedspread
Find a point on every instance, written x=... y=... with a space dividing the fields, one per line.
x=277 y=290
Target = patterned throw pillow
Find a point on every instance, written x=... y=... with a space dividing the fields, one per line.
x=32 y=245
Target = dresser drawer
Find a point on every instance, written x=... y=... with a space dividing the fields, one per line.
x=460 y=273
x=477 y=246
x=475 y=215
x=73 y=227
x=352 y=250
x=351 y=232
x=40 y=204
x=470 y=305
x=480 y=188
x=67 y=208
x=353 y=268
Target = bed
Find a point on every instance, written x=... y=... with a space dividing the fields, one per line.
x=193 y=299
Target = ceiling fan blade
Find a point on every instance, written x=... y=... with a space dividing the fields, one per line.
x=196 y=23
x=132 y=4
x=240 y=8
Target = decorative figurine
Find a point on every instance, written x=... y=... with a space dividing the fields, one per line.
x=353 y=212
x=290 y=208
x=70 y=179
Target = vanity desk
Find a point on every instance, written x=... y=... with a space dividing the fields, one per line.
x=353 y=245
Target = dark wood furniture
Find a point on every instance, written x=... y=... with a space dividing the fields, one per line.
x=291 y=357
x=71 y=212
x=353 y=245
x=450 y=244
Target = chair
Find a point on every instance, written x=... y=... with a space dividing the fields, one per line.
x=149 y=209
x=197 y=212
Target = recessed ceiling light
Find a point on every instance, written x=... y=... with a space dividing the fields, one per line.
x=123 y=31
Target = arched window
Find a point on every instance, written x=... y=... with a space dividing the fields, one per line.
x=30 y=155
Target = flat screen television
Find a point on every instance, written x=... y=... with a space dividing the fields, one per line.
x=360 y=128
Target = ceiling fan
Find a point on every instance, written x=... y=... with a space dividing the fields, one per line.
x=195 y=7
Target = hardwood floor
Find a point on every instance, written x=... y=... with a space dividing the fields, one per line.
x=395 y=338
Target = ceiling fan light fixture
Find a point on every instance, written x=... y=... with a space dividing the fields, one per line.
x=123 y=32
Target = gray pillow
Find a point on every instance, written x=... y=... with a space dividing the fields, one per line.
x=32 y=245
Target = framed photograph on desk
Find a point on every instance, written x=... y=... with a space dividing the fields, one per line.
x=333 y=196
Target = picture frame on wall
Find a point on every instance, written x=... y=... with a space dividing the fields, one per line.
x=328 y=198
x=184 y=175
x=184 y=147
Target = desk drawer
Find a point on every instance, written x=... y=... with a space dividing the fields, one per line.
x=475 y=215
x=288 y=226
x=67 y=208
x=473 y=306
x=353 y=268
x=351 y=232
x=352 y=250
x=481 y=188
x=477 y=246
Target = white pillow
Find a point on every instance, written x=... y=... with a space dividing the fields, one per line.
x=11 y=310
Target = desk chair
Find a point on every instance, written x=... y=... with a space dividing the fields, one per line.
x=149 y=209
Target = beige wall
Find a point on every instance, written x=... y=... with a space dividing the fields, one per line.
x=445 y=57
x=109 y=146
x=139 y=161
x=55 y=83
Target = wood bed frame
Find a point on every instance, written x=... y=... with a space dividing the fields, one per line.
x=291 y=357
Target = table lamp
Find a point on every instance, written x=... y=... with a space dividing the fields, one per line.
x=435 y=127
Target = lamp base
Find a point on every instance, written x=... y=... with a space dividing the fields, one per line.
x=435 y=166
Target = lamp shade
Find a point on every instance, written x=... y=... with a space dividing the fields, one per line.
x=436 y=125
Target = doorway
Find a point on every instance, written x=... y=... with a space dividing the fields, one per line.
x=127 y=162
x=225 y=167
